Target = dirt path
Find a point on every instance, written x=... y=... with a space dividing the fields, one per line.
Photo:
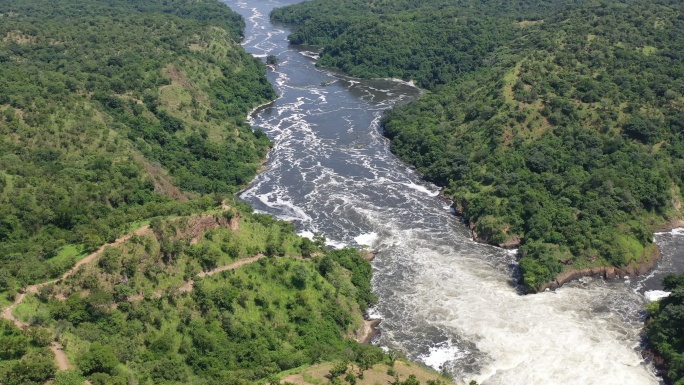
x=188 y=286
x=92 y=256
x=34 y=289
x=61 y=359
x=231 y=266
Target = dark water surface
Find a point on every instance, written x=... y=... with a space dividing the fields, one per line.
x=444 y=300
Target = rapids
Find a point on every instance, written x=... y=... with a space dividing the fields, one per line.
x=445 y=300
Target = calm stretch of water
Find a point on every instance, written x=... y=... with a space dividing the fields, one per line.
x=445 y=300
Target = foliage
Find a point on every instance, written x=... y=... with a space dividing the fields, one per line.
x=99 y=102
x=20 y=361
x=68 y=377
x=563 y=131
x=431 y=42
x=665 y=327
x=235 y=327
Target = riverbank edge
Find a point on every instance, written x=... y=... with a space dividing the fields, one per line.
x=645 y=265
x=647 y=262
x=369 y=328
x=660 y=364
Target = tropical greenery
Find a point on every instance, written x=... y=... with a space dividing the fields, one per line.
x=559 y=126
x=664 y=328
x=129 y=319
x=112 y=112
x=24 y=356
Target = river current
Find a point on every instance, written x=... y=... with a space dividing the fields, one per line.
x=444 y=300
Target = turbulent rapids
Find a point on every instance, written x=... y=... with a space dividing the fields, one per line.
x=444 y=300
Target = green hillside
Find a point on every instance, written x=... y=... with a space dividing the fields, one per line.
x=206 y=299
x=565 y=134
x=112 y=112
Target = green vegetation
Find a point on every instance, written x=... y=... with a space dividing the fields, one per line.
x=664 y=328
x=559 y=127
x=131 y=317
x=432 y=42
x=113 y=112
x=119 y=114
x=24 y=356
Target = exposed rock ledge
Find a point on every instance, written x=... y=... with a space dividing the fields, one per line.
x=610 y=272
x=368 y=255
x=367 y=331
x=607 y=272
x=660 y=364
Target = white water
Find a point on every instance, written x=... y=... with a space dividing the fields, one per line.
x=444 y=300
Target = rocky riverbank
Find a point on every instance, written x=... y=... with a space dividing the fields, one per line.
x=647 y=262
x=649 y=259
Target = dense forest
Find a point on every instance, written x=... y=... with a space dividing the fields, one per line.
x=554 y=125
x=112 y=112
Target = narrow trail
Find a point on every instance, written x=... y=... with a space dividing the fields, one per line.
x=188 y=286
x=61 y=358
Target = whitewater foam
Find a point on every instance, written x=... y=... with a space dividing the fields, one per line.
x=656 y=295
x=367 y=239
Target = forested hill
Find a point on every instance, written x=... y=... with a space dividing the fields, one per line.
x=114 y=111
x=553 y=124
x=431 y=42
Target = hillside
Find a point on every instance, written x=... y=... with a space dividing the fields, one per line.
x=112 y=112
x=221 y=298
x=564 y=138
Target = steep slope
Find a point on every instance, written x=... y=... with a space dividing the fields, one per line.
x=225 y=298
x=113 y=112
x=565 y=138
x=664 y=330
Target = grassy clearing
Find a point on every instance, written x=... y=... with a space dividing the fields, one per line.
x=27 y=310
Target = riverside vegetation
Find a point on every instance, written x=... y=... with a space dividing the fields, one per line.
x=123 y=123
x=664 y=329
x=555 y=126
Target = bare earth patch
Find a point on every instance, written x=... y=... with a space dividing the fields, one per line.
x=377 y=375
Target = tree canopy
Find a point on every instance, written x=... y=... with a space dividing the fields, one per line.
x=112 y=112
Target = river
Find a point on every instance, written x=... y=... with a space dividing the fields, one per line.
x=444 y=300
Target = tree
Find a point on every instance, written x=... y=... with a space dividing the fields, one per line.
x=68 y=377
x=307 y=247
x=98 y=359
x=338 y=369
x=300 y=274
x=34 y=367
